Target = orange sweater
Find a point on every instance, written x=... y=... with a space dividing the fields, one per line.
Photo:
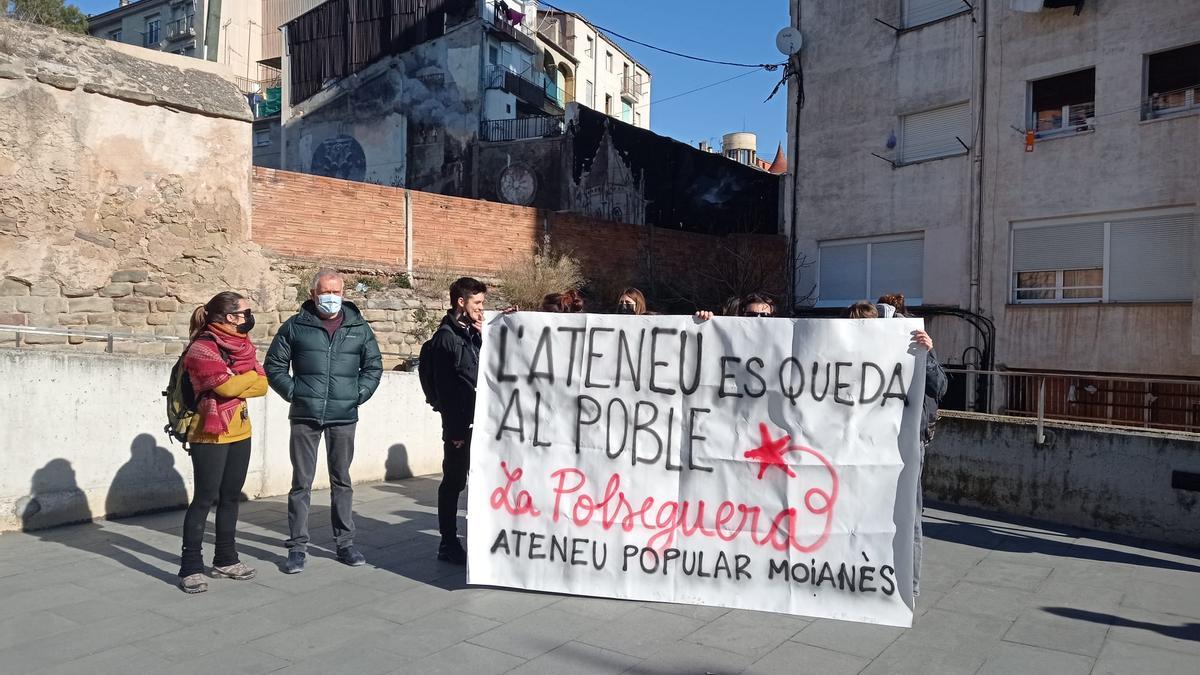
x=244 y=386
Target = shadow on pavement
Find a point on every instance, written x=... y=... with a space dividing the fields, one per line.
x=1187 y=631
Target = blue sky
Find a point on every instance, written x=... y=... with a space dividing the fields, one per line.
x=742 y=31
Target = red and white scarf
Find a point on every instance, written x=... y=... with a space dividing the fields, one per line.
x=208 y=369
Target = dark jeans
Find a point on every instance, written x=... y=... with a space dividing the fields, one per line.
x=918 y=535
x=339 y=451
x=455 y=463
x=219 y=471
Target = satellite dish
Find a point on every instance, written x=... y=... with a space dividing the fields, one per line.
x=789 y=41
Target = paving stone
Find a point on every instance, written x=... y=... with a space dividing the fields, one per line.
x=1036 y=661
x=790 y=657
x=33 y=626
x=1006 y=603
x=687 y=657
x=1008 y=574
x=239 y=660
x=1152 y=629
x=747 y=633
x=116 y=661
x=858 y=639
x=501 y=605
x=326 y=633
x=69 y=645
x=575 y=657
x=911 y=658
x=641 y=633
x=1165 y=598
x=1122 y=658
x=536 y=633
x=435 y=632
x=465 y=657
x=1037 y=628
x=209 y=636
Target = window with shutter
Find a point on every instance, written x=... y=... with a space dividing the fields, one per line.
x=1151 y=258
x=1145 y=257
x=850 y=270
x=935 y=133
x=917 y=12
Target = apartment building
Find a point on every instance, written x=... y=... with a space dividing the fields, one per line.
x=229 y=32
x=608 y=79
x=1025 y=170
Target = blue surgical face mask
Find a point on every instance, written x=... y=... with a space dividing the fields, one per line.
x=329 y=304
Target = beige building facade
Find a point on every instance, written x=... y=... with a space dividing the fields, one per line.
x=1036 y=166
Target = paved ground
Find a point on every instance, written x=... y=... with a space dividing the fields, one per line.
x=999 y=597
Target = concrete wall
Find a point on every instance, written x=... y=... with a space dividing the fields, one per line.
x=88 y=442
x=1088 y=476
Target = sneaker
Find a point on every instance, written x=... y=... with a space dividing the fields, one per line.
x=452 y=551
x=240 y=571
x=295 y=562
x=351 y=556
x=193 y=583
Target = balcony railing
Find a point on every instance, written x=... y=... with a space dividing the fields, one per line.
x=1171 y=102
x=510 y=23
x=631 y=87
x=549 y=126
x=1110 y=400
x=531 y=86
x=182 y=28
x=1066 y=120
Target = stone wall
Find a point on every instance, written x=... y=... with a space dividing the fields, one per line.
x=124 y=191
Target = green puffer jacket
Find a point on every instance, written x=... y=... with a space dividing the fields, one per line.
x=328 y=378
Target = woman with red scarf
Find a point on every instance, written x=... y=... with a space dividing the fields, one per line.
x=224 y=371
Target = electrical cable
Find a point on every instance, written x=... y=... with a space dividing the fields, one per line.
x=764 y=66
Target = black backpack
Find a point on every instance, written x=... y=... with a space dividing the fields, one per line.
x=425 y=372
x=181 y=397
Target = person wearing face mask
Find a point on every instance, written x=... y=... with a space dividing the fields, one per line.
x=632 y=301
x=222 y=366
x=325 y=361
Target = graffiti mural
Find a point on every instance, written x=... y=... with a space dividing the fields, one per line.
x=340 y=157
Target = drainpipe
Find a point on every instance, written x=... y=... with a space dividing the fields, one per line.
x=977 y=222
x=976 y=299
x=794 y=165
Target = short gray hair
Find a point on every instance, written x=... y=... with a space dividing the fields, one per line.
x=322 y=274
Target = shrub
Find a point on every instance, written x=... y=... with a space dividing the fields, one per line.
x=526 y=280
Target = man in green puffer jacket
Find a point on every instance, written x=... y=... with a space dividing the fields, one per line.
x=325 y=362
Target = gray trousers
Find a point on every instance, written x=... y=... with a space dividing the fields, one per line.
x=339 y=450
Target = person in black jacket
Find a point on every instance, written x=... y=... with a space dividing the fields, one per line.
x=936 y=384
x=326 y=363
x=454 y=361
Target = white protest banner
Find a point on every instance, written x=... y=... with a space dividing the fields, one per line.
x=765 y=464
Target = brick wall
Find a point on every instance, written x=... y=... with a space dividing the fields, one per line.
x=325 y=219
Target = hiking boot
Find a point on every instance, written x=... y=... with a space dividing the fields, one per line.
x=350 y=556
x=240 y=571
x=451 y=551
x=193 y=583
x=295 y=562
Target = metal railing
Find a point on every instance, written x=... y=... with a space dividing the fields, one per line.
x=1066 y=120
x=549 y=126
x=1110 y=400
x=631 y=87
x=183 y=27
x=529 y=85
x=111 y=338
x=1171 y=102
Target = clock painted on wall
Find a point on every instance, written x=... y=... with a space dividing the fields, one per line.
x=518 y=185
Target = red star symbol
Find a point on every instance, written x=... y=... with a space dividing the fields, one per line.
x=771 y=453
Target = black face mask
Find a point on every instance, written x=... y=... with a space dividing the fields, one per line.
x=625 y=309
x=247 y=325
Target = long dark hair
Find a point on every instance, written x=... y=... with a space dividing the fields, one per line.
x=214 y=311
